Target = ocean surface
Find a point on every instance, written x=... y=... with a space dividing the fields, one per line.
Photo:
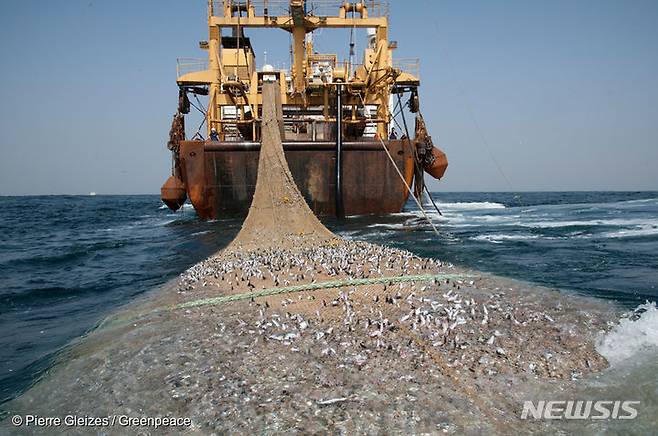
x=67 y=261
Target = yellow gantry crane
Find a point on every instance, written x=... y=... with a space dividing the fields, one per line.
x=234 y=83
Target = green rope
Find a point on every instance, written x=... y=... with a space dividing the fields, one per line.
x=320 y=285
x=290 y=289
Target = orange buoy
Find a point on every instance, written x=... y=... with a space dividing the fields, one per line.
x=436 y=166
x=173 y=193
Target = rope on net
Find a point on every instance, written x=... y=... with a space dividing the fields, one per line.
x=319 y=285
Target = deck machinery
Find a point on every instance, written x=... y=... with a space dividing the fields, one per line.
x=346 y=148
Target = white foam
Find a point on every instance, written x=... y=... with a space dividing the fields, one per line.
x=629 y=337
x=185 y=206
x=644 y=200
x=499 y=238
x=647 y=230
x=462 y=216
x=387 y=226
x=470 y=206
x=609 y=222
x=349 y=234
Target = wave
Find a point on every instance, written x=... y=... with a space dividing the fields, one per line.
x=69 y=255
x=648 y=230
x=499 y=238
x=408 y=213
x=349 y=235
x=468 y=206
x=185 y=206
x=632 y=335
x=591 y=223
x=39 y=295
x=644 y=200
x=386 y=226
x=412 y=223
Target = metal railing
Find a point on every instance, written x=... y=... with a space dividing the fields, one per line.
x=408 y=65
x=318 y=8
x=190 y=65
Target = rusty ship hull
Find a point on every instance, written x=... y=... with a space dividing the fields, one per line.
x=220 y=177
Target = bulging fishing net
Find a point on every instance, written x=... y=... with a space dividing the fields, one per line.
x=279 y=216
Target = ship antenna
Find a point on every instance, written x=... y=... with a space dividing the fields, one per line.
x=351 y=64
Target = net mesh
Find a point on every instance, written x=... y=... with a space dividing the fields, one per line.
x=279 y=216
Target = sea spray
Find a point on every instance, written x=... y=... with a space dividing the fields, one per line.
x=632 y=335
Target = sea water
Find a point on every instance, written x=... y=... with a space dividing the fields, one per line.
x=67 y=261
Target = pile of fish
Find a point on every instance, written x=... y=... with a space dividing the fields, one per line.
x=480 y=332
x=233 y=270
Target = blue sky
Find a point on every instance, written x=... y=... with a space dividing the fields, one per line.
x=554 y=95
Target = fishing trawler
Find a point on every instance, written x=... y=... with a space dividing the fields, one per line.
x=345 y=134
